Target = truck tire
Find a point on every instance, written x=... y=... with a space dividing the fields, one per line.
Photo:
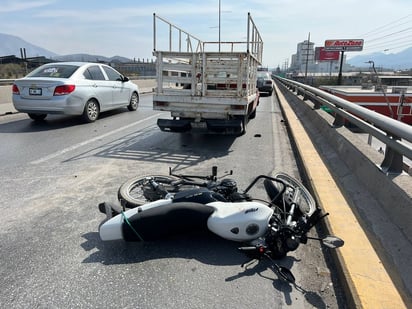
x=252 y=114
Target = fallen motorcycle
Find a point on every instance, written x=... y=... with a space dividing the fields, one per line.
x=268 y=229
x=139 y=190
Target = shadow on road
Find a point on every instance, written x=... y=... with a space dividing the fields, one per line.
x=52 y=122
x=212 y=251
x=152 y=145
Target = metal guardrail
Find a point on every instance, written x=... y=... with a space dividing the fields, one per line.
x=389 y=131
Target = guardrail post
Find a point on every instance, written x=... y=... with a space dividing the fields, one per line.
x=339 y=120
x=305 y=96
x=316 y=103
x=393 y=161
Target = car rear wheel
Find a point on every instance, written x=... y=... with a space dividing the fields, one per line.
x=134 y=102
x=91 y=111
x=37 y=117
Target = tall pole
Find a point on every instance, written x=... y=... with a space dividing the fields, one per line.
x=220 y=12
x=307 y=59
x=340 y=68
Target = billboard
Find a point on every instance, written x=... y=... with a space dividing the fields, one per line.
x=344 y=45
x=324 y=55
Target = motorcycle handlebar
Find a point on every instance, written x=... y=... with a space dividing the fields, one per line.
x=212 y=177
x=264 y=177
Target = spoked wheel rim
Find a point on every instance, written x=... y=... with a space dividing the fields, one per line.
x=134 y=102
x=92 y=110
x=137 y=191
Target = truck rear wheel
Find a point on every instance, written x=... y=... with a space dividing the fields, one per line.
x=252 y=114
x=244 y=122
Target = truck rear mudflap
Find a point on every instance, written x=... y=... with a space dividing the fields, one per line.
x=213 y=126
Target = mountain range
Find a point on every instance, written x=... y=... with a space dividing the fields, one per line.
x=10 y=45
x=395 y=61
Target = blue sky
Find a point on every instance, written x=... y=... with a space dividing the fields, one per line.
x=124 y=27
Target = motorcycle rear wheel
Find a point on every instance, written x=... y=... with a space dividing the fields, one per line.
x=307 y=205
x=136 y=191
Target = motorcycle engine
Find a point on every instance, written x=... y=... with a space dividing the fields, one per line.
x=281 y=240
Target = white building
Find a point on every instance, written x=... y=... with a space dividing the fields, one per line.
x=305 y=56
x=304 y=61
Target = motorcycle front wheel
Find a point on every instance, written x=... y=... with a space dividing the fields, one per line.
x=137 y=191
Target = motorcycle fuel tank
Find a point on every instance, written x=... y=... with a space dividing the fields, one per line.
x=242 y=221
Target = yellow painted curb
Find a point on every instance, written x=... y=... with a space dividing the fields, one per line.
x=368 y=282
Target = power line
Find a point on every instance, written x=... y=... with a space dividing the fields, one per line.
x=406 y=40
x=390 y=34
x=386 y=25
x=393 y=35
x=392 y=47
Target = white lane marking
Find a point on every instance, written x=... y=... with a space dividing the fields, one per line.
x=73 y=147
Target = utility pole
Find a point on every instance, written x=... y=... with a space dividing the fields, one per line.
x=220 y=13
x=340 y=68
x=307 y=59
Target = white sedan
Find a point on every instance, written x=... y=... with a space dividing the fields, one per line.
x=73 y=88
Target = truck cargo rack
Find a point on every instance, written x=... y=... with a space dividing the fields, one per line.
x=205 y=83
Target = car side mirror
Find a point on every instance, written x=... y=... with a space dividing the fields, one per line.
x=125 y=79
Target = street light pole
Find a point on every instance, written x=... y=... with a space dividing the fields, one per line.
x=307 y=59
x=340 y=68
x=220 y=12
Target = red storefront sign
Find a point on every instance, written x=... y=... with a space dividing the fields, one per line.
x=344 y=45
x=324 y=55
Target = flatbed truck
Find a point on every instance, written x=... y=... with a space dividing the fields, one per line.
x=208 y=87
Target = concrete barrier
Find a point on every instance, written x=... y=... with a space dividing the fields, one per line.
x=371 y=210
x=5 y=94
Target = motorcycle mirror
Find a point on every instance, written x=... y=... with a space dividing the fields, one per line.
x=333 y=242
x=286 y=274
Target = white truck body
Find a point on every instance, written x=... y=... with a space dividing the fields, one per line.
x=206 y=88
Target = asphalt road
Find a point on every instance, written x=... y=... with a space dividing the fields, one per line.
x=54 y=174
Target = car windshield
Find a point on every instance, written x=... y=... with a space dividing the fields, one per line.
x=54 y=71
x=263 y=75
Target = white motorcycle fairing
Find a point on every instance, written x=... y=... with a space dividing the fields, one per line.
x=157 y=220
x=243 y=221
x=112 y=228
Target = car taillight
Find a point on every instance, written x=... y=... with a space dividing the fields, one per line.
x=64 y=89
x=15 y=89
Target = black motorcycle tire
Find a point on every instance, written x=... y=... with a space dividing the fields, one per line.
x=273 y=192
x=135 y=191
x=307 y=205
